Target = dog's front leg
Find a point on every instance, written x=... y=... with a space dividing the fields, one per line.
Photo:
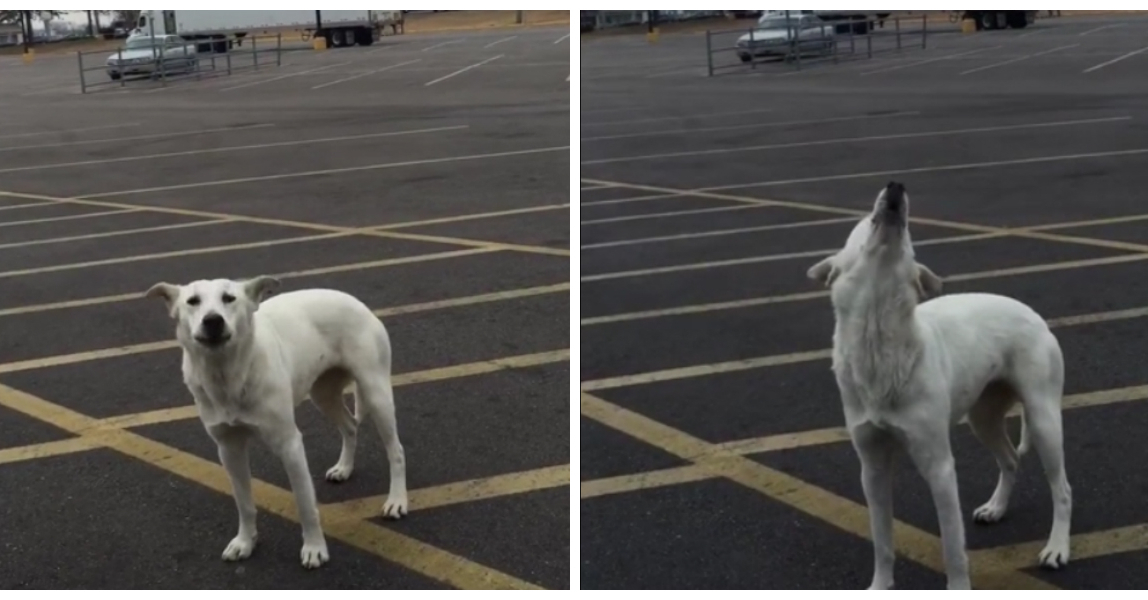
x=232 y=444
x=875 y=448
x=933 y=457
x=286 y=442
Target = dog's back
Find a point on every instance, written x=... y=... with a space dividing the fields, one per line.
x=320 y=329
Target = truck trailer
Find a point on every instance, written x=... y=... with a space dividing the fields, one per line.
x=1000 y=19
x=217 y=30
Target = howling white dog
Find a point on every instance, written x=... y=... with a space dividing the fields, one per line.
x=249 y=361
x=907 y=373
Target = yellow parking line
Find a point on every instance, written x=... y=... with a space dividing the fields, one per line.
x=464 y=491
x=44 y=450
x=912 y=543
x=386 y=262
x=1085 y=546
x=390 y=545
x=296 y=224
x=103 y=213
x=471 y=217
x=89 y=355
x=802 y=296
x=106 y=234
x=646 y=480
x=165 y=415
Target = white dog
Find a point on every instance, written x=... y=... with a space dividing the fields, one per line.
x=249 y=361
x=907 y=373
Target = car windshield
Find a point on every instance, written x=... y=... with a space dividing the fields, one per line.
x=143 y=42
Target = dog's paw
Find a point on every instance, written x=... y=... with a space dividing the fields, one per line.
x=990 y=512
x=239 y=548
x=1054 y=556
x=395 y=506
x=314 y=555
x=339 y=473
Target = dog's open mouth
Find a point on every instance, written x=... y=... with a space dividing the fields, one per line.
x=213 y=342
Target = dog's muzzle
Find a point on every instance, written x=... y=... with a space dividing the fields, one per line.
x=893 y=203
x=213 y=331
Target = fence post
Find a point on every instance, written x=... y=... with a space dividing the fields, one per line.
x=924 y=30
x=852 y=42
x=797 y=44
x=80 y=63
x=897 y=25
x=869 y=39
x=123 y=75
x=279 y=49
x=255 y=51
x=709 y=54
x=752 y=52
x=228 y=55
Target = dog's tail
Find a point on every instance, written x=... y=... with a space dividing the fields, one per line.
x=1024 y=443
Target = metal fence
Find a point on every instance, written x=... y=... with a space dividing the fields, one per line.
x=828 y=42
x=165 y=64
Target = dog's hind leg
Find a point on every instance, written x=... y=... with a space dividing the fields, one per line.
x=876 y=449
x=987 y=420
x=1046 y=432
x=378 y=399
x=1040 y=382
x=327 y=394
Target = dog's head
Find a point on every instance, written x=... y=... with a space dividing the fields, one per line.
x=880 y=246
x=210 y=315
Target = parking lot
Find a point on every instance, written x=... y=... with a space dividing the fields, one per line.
x=712 y=448
x=431 y=186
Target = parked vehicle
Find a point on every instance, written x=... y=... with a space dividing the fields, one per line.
x=1000 y=19
x=786 y=36
x=217 y=30
x=858 y=20
x=147 y=55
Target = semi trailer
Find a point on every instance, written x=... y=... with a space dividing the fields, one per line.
x=217 y=30
x=1000 y=19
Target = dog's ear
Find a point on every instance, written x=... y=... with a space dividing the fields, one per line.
x=825 y=272
x=168 y=292
x=927 y=282
x=260 y=288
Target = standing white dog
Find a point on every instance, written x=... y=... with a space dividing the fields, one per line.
x=249 y=362
x=907 y=373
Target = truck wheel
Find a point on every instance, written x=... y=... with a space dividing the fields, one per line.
x=988 y=20
x=363 y=37
x=1016 y=19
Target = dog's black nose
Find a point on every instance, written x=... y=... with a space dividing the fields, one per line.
x=213 y=325
x=894 y=195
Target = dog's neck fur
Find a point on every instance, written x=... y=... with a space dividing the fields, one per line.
x=223 y=373
x=876 y=340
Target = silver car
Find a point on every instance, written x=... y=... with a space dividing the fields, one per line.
x=142 y=55
x=781 y=35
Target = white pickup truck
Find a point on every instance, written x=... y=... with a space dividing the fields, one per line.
x=216 y=30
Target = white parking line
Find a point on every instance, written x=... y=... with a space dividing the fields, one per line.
x=676 y=213
x=463 y=70
x=375 y=167
x=1009 y=62
x=720 y=232
x=66 y=131
x=1084 y=33
x=937 y=169
x=329 y=83
x=496 y=42
x=754 y=126
x=229 y=149
x=678 y=117
x=931 y=60
x=440 y=45
x=1115 y=60
x=871 y=138
x=559 y=40
x=262 y=81
x=133 y=138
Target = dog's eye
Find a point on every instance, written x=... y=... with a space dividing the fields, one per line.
x=228 y=298
x=193 y=301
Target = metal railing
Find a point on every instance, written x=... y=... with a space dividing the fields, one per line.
x=167 y=65
x=830 y=41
